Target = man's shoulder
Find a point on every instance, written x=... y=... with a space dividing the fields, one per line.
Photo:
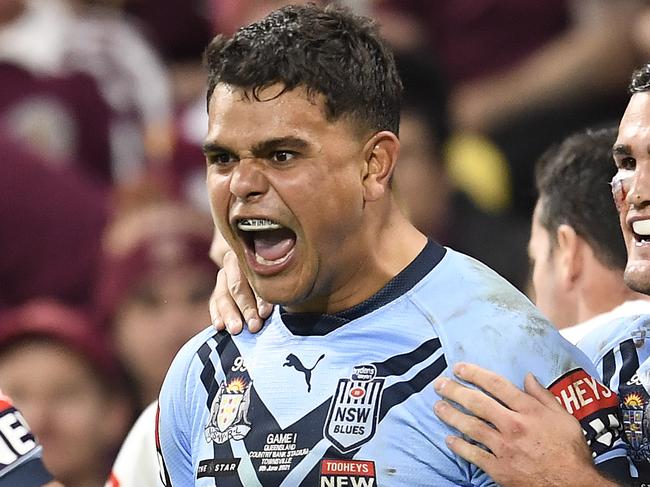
x=483 y=319
x=191 y=356
x=608 y=336
x=464 y=295
x=199 y=341
x=459 y=278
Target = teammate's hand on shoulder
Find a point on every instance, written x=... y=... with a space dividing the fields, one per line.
x=532 y=439
x=233 y=302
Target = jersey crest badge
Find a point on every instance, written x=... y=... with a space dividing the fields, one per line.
x=635 y=409
x=354 y=409
x=229 y=412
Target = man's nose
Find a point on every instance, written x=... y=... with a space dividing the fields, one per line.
x=639 y=194
x=249 y=180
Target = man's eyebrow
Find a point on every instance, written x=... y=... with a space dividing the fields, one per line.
x=621 y=150
x=288 y=142
x=215 y=147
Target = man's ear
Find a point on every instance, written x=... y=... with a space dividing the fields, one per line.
x=570 y=255
x=380 y=154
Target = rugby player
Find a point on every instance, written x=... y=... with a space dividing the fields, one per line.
x=302 y=142
x=520 y=447
x=576 y=249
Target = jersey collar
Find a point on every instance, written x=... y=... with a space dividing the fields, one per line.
x=309 y=324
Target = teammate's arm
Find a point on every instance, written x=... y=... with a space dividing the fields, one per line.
x=533 y=441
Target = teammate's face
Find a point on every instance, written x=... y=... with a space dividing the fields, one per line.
x=286 y=192
x=631 y=189
x=550 y=296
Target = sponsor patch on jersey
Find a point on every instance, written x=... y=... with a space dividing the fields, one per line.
x=353 y=412
x=582 y=395
x=217 y=467
x=591 y=403
x=229 y=411
x=349 y=473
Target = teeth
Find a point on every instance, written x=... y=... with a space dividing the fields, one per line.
x=257 y=225
x=641 y=227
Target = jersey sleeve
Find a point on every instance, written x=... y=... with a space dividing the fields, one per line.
x=20 y=455
x=621 y=352
x=503 y=332
x=532 y=344
x=173 y=428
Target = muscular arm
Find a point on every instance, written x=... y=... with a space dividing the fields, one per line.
x=534 y=441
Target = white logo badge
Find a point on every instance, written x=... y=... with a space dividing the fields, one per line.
x=353 y=413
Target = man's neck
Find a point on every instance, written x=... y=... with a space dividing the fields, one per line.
x=388 y=250
x=607 y=298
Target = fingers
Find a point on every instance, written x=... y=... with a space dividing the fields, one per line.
x=264 y=309
x=539 y=392
x=476 y=402
x=233 y=299
x=469 y=425
x=494 y=384
x=472 y=453
x=241 y=292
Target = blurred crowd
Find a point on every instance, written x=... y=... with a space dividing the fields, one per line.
x=104 y=218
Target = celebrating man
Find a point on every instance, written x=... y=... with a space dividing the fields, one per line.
x=302 y=141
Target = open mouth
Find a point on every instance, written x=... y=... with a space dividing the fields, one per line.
x=268 y=242
x=641 y=230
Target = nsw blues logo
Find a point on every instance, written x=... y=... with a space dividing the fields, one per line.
x=229 y=412
x=353 y=413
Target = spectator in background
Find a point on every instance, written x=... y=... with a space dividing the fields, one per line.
x=64 y=38
x=60 y=371
x=154 y=287
x=51 y=223
x=433 y=204
x=61 y=118
x=576 y=248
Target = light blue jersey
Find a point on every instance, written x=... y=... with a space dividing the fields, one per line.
x=621 y=352
x=347 y=399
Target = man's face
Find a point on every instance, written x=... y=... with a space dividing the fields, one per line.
x=286 y=191
x=631 y=189
x=550 y=296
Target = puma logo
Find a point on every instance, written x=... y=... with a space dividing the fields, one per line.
x=293 y=361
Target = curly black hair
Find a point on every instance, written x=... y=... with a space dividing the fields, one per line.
x=326 y=50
